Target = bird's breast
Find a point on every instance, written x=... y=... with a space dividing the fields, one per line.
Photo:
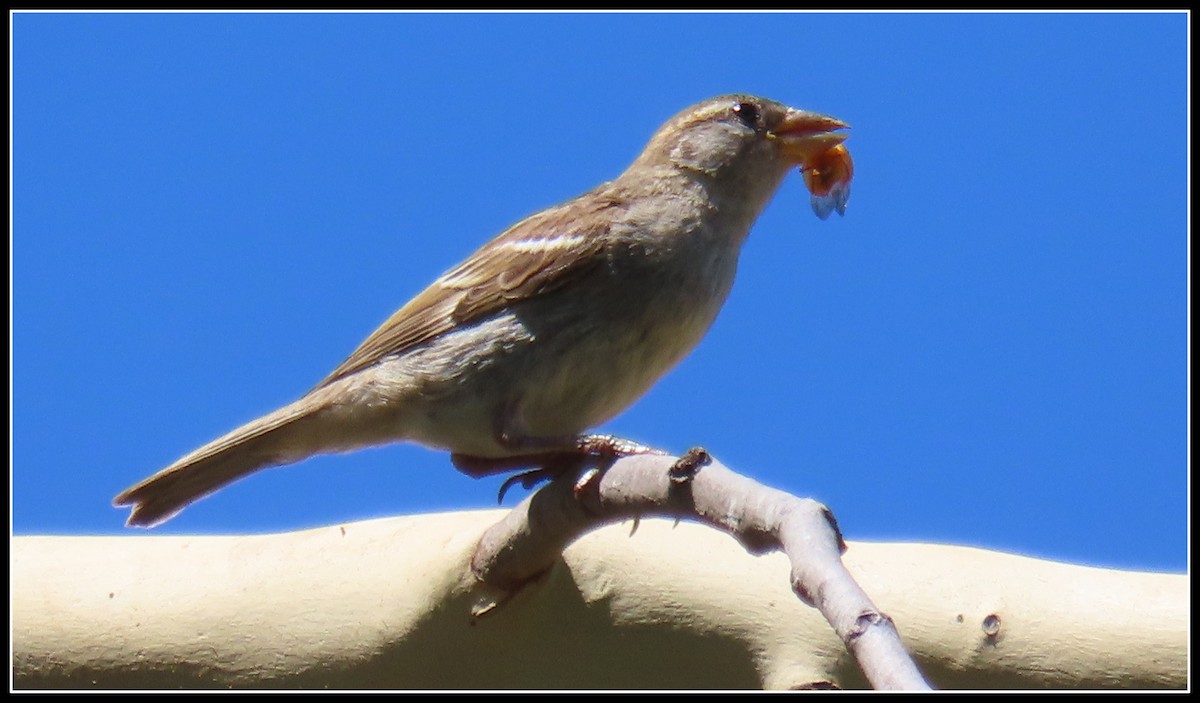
x=599 y=346
x=568 y=360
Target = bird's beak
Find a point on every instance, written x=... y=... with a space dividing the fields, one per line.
x=803 y=135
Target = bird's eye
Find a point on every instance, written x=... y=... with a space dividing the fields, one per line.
x=747 y=113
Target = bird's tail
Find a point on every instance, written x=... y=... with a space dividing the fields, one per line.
x=274 y=439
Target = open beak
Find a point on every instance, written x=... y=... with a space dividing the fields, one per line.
x=803 y=135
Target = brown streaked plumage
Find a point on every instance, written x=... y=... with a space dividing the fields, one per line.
x=548 y=330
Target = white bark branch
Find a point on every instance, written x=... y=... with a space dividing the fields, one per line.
x=387 y=604
x=532 y=536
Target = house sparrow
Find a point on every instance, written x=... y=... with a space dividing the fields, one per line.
x=553 y=327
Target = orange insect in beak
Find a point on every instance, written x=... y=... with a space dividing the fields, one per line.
x=828 y=176
x=814 y=142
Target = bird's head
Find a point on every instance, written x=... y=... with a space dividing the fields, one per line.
x=742 y=136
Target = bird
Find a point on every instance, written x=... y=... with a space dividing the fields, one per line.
x=549 y=329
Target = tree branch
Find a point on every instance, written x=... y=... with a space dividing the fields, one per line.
x=532 y=536
x=386 y=604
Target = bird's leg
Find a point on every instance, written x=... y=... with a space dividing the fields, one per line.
x=523 y=450
x=607 y=447
x=545 y=457
x=582 y=448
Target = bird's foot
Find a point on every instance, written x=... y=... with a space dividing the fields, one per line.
x=596 y=450
x=609 y=447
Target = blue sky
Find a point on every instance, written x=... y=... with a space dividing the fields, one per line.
x=210 y=211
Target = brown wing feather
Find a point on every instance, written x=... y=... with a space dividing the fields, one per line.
x=530 y=258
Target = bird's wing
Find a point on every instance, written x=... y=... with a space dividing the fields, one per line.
x=536 y=255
